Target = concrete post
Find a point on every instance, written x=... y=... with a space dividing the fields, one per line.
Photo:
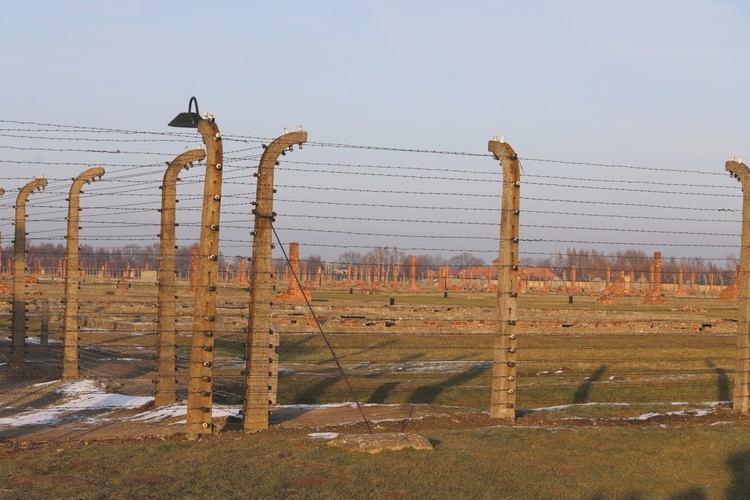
x=412 y=272
x=657 y=275
x=742 y=371
x=258 y=373
x=70 y=317
x=18 y=354
x=504 y=356
x=165 y=329
x=44 y=326
x=200 y=384
x=193 y=273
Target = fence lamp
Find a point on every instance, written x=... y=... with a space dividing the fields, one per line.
x=189 y=119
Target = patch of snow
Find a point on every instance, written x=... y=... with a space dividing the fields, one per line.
x=428 y=366
x=31 y=418
x=180 y=410
x=645 y=416
x=80 y=396
x=160 y=413
x=323 y=435
x=401 y=419
x=37 y=341
x=225 y=411
x=316 y=406
x=90 y=396
x=687 y=413
x=714 y=404
x=42 y=384
x=565 y=407
x=682 y=376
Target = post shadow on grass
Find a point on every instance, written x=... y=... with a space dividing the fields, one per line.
x=739 y=487
x=380 y=395
x=427 y=394
x=695 y=493
x=629 y=495
x=722 y=380
x=97 y=362
x=312 y=395
x=382 y=345
x=411 y=357
x=739 y=466
x=582 y=393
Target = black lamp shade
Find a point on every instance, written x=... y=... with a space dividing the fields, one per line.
x=189 y=119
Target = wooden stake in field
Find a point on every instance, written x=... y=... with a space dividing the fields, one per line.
x=742 y=372
x=503 y=401
x=258 y=372
x=165 y=329
x=18 y=349
x=70 y=317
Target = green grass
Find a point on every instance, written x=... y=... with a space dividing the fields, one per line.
x=624 y=352
x=502 y=462
x=651 y=359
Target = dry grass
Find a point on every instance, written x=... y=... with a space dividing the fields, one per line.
x=432 y=349
x=602 y=364
x=504 y=462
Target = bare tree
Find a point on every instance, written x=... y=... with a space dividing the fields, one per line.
x=465 y=260
x=347 y=258
x=383 y=258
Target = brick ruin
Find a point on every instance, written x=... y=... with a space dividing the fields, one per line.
x=732 y=292
x=242 y=273
x=413 y=273
x=621 y=287
x=653 y=295
x=294 y=293
x=681 y=290
x=377 y=279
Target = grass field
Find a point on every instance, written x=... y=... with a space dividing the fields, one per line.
x=682 y=462
x=401 y=347
x=620 y=400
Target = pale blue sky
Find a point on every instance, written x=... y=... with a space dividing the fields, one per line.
x=624 y=81
x=658 y=84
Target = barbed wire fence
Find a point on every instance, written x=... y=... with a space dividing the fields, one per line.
x=592 y=334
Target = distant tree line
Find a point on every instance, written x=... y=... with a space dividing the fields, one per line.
x=386 y=258
x=49 y=256
x=591 y=263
